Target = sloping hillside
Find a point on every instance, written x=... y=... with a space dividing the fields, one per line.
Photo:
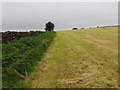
x=83 y=58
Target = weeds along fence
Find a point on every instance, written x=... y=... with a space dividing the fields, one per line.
x=11 y=36
x=20 y=57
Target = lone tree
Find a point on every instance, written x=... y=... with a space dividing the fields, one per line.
x=49 y=26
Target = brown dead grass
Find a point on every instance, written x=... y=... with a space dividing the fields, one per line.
x=79 y=59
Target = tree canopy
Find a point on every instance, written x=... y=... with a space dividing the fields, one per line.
x=49 y=26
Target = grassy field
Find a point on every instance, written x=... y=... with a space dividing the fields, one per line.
x=86 y=58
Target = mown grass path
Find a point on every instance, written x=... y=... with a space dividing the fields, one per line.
x=79 y=59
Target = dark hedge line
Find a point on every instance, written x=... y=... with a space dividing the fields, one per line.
x=10 y=36
x=20 y=57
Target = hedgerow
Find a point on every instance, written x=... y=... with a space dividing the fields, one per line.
x=20 y=57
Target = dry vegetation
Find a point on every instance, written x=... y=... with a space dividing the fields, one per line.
x=86 y=58
x=12 y=36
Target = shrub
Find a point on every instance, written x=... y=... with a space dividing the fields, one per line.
x=74 y=28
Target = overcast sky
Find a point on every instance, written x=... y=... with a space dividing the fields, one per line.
x=34 y=15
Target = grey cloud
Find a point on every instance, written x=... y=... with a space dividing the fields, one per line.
x=33 y=15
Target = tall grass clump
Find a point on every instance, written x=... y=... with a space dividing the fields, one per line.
x=20 y=57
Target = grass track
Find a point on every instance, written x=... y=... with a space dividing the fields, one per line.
x=79 y=59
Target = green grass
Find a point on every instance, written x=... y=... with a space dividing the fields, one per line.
x=20 y=57
x=86 y=58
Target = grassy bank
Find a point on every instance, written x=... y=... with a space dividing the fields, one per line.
x=20 y=57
